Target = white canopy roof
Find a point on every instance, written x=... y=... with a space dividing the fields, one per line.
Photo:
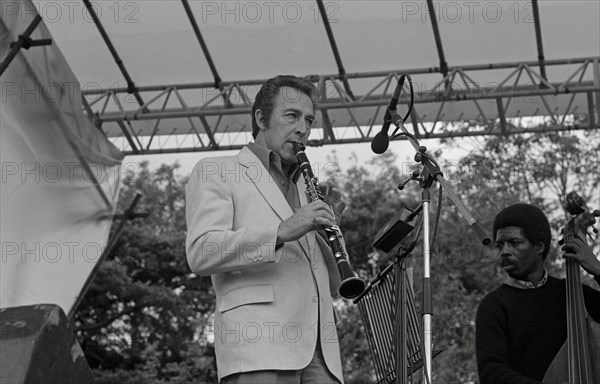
x=498 y=61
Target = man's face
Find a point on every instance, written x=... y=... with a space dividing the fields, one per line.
x=291 y=120
x=519 y=258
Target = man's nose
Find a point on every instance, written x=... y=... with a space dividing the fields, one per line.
x=302 y=128
x=504 y=250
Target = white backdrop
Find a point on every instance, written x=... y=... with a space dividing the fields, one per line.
x=54 y=223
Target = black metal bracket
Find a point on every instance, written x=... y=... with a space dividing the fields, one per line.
x=24 y=41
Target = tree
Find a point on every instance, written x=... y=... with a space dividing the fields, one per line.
x=535 y=168
x=145 y=310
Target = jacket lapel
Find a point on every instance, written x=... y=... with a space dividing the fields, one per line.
x=255 y=172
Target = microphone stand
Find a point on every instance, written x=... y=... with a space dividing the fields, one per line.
x=431 y=172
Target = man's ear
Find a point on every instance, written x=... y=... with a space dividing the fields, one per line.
x=260 y=120
x=540 y=247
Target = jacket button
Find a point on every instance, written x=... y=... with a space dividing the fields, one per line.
x=315 y=299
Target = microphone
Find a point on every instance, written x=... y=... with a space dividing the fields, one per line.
x=381 y=141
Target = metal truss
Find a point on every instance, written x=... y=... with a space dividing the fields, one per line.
x=470 y=100
x=200 y=117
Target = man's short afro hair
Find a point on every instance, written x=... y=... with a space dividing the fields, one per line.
x=530 y=219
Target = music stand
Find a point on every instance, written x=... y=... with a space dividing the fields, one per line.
x=391 y=322
x=387 y=305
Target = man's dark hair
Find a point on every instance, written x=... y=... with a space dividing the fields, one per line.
x=530 y=219
x=265 y=99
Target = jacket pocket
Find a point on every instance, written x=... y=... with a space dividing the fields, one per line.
x=251 y=294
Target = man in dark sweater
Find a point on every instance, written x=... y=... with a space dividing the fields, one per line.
x=521 y=325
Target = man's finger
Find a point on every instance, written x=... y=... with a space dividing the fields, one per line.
x=571 y=247
x=573 y=256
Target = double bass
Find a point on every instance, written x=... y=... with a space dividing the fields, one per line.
x=578 y=360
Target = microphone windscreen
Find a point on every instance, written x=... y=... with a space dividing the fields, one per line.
x=380 y=143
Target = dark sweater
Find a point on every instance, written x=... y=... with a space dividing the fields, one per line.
x=519 y=331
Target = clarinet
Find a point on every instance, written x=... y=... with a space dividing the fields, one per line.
x=351 y=286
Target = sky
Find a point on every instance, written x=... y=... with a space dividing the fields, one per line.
x=346 y=154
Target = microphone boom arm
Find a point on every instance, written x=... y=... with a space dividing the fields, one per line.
x=437 y=175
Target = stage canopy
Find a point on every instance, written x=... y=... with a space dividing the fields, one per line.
x=177 y=76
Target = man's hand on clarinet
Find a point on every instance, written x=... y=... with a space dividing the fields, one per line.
x=307 y=218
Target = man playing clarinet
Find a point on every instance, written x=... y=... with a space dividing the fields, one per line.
x=251 y=228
